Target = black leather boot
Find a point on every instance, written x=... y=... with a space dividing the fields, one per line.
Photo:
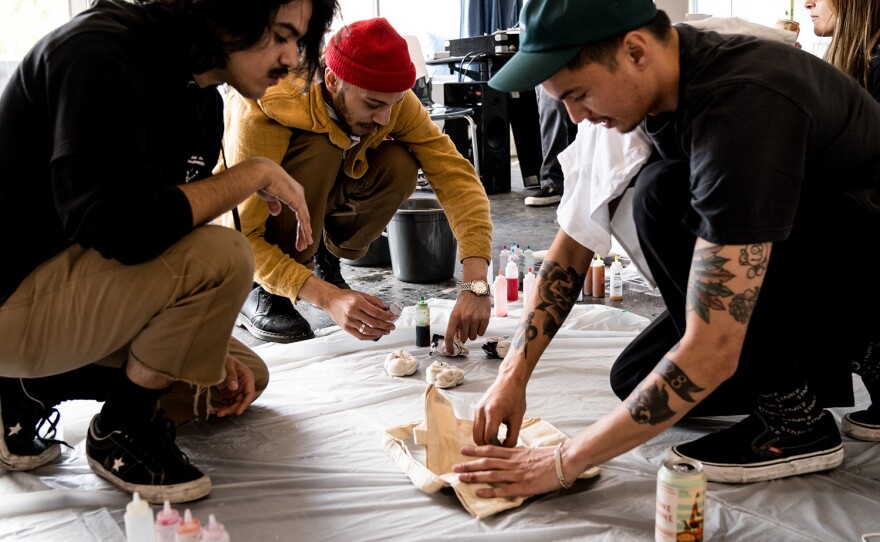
x=272 y=318
x=327 y=267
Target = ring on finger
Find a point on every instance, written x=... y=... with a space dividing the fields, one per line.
x=361 y=329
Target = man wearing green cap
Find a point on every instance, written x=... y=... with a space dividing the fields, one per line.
x=763 y=153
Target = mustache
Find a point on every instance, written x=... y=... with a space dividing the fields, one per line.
x=279 y=73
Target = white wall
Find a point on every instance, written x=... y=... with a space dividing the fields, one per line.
x=676 y=9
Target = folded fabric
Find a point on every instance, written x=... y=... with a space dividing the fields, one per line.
x=443 y=375
x=443 y=435
x=401 y=363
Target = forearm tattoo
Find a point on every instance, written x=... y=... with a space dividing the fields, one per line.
x=649 y=403
x=525 y=332
x=558 y=290
x=709 y=273
x=677 y=380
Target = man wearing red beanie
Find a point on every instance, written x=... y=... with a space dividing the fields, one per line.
x=355 y=141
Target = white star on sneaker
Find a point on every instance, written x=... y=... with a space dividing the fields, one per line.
x=117 y=464
x=15 y=429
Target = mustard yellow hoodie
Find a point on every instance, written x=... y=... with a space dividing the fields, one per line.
x=264 y=127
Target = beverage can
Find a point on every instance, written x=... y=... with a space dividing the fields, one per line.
x=681 y=496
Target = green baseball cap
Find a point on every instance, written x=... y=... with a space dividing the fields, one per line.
x=554 y=31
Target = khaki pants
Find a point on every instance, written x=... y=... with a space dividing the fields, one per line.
x=352 y=212
x=173 y=313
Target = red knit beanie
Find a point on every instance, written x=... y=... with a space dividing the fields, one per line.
x=371 y=55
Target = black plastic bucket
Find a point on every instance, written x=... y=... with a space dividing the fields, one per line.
x=421 y=243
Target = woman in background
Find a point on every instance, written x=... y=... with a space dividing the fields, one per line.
x=854 y=26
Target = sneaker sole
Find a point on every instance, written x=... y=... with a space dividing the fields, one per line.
x=860 y=431
x=176 y=493
x=242 y=321
x=532 y=202
x=769 y=470
x=14 y=462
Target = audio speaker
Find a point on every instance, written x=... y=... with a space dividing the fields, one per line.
x=493 y=130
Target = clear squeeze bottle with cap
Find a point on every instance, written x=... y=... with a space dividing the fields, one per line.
x=503 y=257
x=166 y=523
x=396 y=309
x=511 y=273
x=528 y=284
x=598 y=268
x=214 y=531
x=499 y=290
x=139 y=520
x=615 y=289
x=528 y=261
x=188 y=530
x=423 y=323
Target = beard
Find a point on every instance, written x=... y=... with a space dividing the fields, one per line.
x=344 y=115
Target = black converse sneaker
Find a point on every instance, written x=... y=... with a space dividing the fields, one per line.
x=862 y=425
x=327 y=267
x=144 y=458
x=24 y=416
x=751 y=452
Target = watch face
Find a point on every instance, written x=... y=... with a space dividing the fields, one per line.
x=479 y=287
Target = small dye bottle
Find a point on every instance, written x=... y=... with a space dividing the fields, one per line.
x=598 y=268
x=188 y=530
x=214 y=531
x=166 y=523
x=499 y=291
x=615 y=289
x=395 y=309
x=528 y=284
x=511 y=273
x=423 y=323
x=139 y=520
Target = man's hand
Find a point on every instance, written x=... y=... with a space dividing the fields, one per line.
x=237 y=390
x=282 y=189
x=523 y=471
x=362 y=315
x=469 y=318
x=504 y=402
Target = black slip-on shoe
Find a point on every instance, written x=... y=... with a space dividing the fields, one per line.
x=547 y=195
x=863 y=424
x=750 y=452
x=272 y=318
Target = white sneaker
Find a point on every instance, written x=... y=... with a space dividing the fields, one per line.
x=400 y=363
x=443 y=375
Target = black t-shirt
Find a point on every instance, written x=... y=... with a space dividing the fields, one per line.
x=760 y=122
x=874 y=74
x=98 y=124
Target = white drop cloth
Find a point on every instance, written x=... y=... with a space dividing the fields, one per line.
x=306 y=462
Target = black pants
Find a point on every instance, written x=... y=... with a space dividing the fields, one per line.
x=804 y=325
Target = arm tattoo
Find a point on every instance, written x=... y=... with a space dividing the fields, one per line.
x=755 y=258
x=706 y=285
x=743 y=305
x=680 y=383
x=558 y=290
x=525 y=332
x=649 y=404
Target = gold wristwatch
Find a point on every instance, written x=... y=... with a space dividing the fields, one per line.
x=477 y=287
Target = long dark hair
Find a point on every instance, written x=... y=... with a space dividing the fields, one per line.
x=216 y=28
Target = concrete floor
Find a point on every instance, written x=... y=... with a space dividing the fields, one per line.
x=513 y=222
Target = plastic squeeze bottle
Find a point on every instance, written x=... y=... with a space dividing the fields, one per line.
x=139 y=520
x=214 y=531
x=588 y=282
x=528 y=261
x=188 y=530
x=598 y=268
x=500 y=294
x=616 y=281
x=423 y=323
x=503 y=257
x=528 y=284
x=166 y=523
x=511 y=273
